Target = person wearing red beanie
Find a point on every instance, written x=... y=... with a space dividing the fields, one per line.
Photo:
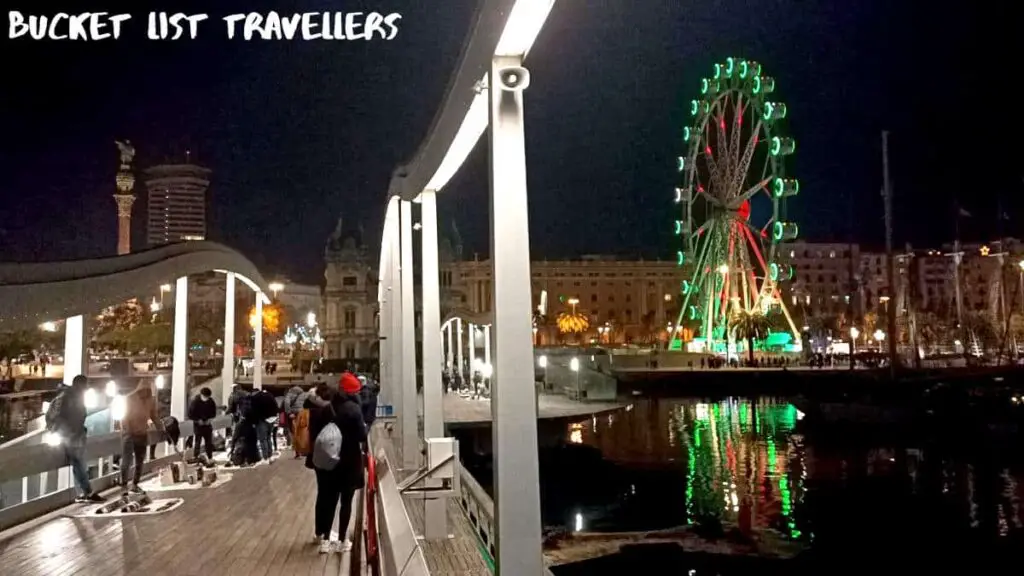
x=350 y=384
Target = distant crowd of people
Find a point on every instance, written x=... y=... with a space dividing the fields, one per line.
x=326 y=425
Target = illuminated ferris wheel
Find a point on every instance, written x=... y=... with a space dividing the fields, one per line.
x=732 y=197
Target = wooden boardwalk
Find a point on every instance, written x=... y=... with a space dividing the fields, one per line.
x=258 y=524
x=460 y=555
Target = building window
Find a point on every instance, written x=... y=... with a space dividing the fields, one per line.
x=350 y=318
x=350 y=351
x=349 y=281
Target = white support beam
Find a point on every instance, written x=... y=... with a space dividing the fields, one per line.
x=472 y=355
x=487 y=354
x=448 y=344
x=433 y=419
x=75 y=355
x=513 y=400
x=227 y=376
x=436 y=517
x=179 y=363
x=459 y=370
x=257 y=355
x=392 y=231
x=410 y=416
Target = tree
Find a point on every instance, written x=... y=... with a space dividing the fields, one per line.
x=120 y=317
x=272 y=318
x=154 y=338
x=204 y=326
x=750 y=325
x=574 y=322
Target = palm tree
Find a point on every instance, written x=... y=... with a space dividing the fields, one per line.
x=572 y=323
x=750 y=325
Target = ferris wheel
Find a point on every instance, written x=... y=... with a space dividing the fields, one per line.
x=732 y=198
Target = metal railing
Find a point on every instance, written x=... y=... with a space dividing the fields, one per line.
x=397 y=551
x=35 y=478
x=478 y=507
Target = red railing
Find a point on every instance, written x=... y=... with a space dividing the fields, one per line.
x=372 y=548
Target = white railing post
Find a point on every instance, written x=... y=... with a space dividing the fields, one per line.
x=257 y=355
x=179 y=363
x=227 y=376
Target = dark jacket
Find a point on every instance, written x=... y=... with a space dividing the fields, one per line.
x=368 y=397
x=346 y=412
x=202 y=410
x=67 y=415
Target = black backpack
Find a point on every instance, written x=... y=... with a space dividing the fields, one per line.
x=264 y=405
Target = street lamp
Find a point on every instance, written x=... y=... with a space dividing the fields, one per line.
x=311 y=319
x=276 y=287
x=574 y=365
x=154 y=306
x=48 y=326
x=854 y=333
x=879 y=335
x=573 y=302
x=164 y=288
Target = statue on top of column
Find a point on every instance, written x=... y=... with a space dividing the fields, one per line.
x=127 y=152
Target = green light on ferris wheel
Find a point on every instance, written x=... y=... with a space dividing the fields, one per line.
x=744 y=68
x=757 y=84
x=686 y=134
x=680 y=258
x=769 y=110
x=679 y=227
x=776 y=145
x=718 y=71
x=686 y=287
x=774 y=270
x=705 y=85
x=730 y=66
x=694 y=107
x=682 y=163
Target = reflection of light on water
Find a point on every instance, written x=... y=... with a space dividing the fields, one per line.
x=579 y=523
x=702 y=412
x=576 y=433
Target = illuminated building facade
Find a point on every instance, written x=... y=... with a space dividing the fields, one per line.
x=176 y=208
x=625 y=301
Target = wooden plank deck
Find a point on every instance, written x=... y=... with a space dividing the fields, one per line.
x=258 y=524
x=459 y=555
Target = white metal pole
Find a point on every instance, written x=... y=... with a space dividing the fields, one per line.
x=75 y=359
x=435 y=509
x=179 y=363
x=458 y=351
x=227 y=376
x=395 y=297
x=487 y=351
x=433 y=419
x=513 y=400
x=472 y=354
x=448 y=339
x=384 y=323
x=410 y=416
x=257 y=356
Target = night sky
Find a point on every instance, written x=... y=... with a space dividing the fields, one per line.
x=298 y=133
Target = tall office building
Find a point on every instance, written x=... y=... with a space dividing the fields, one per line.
x=177 y=203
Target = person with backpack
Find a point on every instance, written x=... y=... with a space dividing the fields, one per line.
x=264 y=408
x=202 y=410
x=337 y=458
x=66 y=418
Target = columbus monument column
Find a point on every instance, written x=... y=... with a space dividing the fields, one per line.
x=125 y=197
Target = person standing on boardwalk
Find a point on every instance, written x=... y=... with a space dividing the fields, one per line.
x=340 y=482
x=66 y=418
x=140 y=410
x=202 y=411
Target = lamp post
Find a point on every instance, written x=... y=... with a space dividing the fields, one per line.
x=276 y=287
x=543 y=363
x=574 y=365
x=854 y=333
x=164 y=288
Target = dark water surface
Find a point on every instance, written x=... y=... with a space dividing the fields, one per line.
x=877 y=502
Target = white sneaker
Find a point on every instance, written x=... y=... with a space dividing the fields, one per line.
x=325 y=546
x=343 y=546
